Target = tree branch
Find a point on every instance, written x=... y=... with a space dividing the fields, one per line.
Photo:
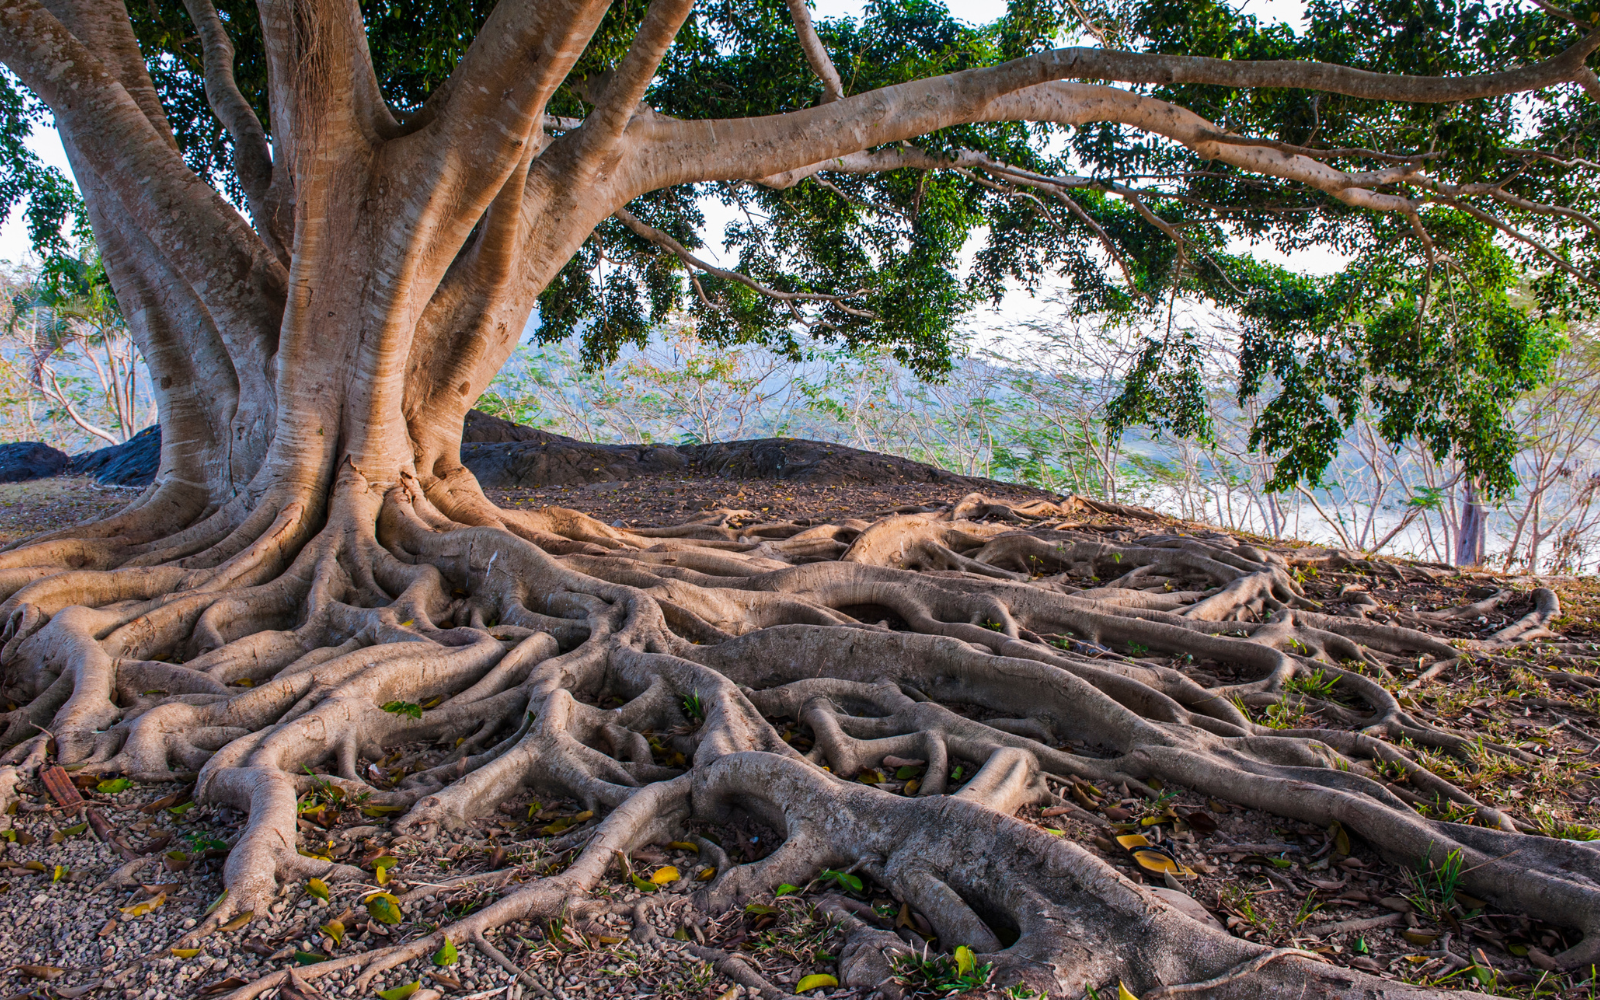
x=678 y=250
x=816 y=52
x=251 y=156
x=625 y=88
x=770 y=145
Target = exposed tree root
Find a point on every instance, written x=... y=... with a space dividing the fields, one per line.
x=658 y=677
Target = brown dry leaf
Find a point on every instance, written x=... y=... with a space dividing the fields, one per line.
x=222 y=986
x=45 y=972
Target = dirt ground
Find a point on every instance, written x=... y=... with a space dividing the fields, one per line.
x=80 y=916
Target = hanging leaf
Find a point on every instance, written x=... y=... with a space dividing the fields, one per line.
x=664 y=876
x=140 y=909
x=383 y=908
x=113 y=786
x=238 y=922
x=335 y=930
x=185 y=952
x=1123 y=992
x=816 y=981
x=317 y=888
x=401 y=992
x=446 y=955
x=965 y=960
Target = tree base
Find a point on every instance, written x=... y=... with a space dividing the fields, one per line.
x=430 y=656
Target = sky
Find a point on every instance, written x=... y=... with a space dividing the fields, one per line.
x=47 y=144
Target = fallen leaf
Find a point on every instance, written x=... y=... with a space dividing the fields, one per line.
x=185 y=952
x=706 y=875
x=110 y=926
x=335 y=930
x=318 y=888
x=684 y=845
x=383 y=908
x=760 y=910
x=1201 y=821
x=446 y=955
x=1419 y=938
x=140 y=909
x=216 y=902
x=817 y=981
x=965 y=960
x=587 y=814
x=665 y=875
x=401 y=992
x=1341 y=839
x=239 y=921
x=46 y=972
x=113 y=786
x=607 y=939
x=643 y=886
x=61 y=873
x=1123 y=992
x=222 y=986
x=175 y=861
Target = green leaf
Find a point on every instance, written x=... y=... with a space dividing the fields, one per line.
x=401 y=992
x=384 y=908
x=180 y=810
x=318 y=888
x=759 y=910
x=785 y=889
x=75 y=829
x=446 y=955
x=643 y=886
x=113 y=786
x=965 y=960
x=404 y=708
x=816 y=981
x=308 y=958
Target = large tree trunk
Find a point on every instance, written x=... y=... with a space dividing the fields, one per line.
x=312 y=534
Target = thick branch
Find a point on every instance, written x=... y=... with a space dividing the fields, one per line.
x=816 y=53
x=765 y=146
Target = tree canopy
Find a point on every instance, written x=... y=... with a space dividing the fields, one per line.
x=1469 y=246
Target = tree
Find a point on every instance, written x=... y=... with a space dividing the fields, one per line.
x=417 y=179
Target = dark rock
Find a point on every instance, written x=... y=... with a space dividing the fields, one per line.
x=132 y=463
x=26 y=460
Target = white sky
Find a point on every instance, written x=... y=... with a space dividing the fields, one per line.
x=47 y=144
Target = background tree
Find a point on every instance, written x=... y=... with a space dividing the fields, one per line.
x=416 y=180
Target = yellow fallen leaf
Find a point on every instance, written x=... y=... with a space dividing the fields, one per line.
x=684 y=845
x=318 y=888
x=335 y=930
x=401 y=992
x=239 y=921
x=383 y=908
x=706 y=875
x=408 y=622
x=382 y=874
x=665 y=875
x=1155 y=861
x=965 y=960
x=607 y=939
x=815 y=982
x=1123 y=993
x=586 y=814
x=140 y=909
x=185 y=952
x=912 y=786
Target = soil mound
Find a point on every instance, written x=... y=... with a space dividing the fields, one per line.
x=504 y=455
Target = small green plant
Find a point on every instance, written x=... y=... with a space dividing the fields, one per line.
x=1314 y=685
x=843 y=880
x=1137 y=649
x=201 y=841
x=695 y=708
x=404 y=708
x=940 y=975
x=1434 y=885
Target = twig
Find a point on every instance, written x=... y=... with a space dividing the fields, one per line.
x=1238 y=972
